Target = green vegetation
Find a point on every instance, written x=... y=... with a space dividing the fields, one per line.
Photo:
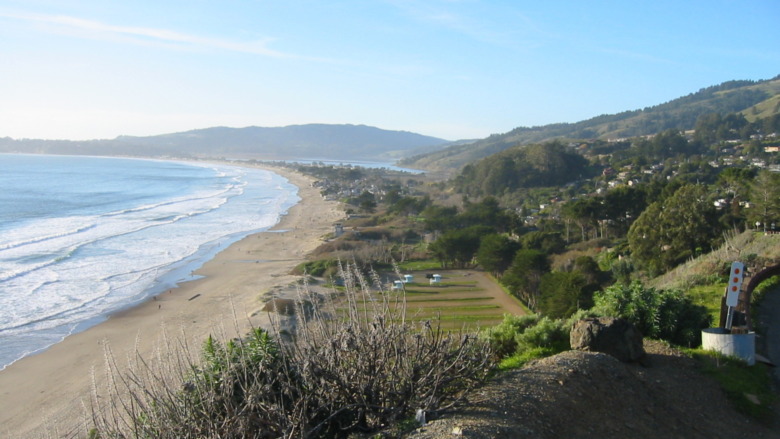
x=319 y=268
x=663 y=315
x=586 y=227
x=419 y=265
x=682 y=114
x=747 y=387
x=708 y=296
x=568 y=222
x=522 y=167
x=669 y=232
x=332 y=378
x=519 y=339
x=458 y=302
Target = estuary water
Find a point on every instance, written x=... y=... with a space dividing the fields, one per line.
x=83 y=237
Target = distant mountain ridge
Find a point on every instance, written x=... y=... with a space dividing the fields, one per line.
x=753 y=99
x=311 y=141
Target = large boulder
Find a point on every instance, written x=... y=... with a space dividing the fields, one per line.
x=616 y=337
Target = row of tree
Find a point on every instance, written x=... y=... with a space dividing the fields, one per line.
x=677 y=213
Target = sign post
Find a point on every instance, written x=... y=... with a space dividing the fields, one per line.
x=732 y=290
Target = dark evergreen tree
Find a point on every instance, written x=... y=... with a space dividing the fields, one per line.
x=496 y=252
x=670 y=232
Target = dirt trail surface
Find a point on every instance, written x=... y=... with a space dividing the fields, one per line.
x=592 y=395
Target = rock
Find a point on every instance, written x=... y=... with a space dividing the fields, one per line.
x=616 y=337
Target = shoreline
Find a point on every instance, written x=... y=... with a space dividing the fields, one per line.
x=43 y=393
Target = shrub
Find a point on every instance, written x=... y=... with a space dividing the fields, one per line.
x=502 y=337
x=521 y=358
x=519 y=339
x=666 y=314
x=547 y=333
x=318 y=268
x=331 y=378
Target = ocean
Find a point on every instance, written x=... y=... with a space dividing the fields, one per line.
x=83 y=237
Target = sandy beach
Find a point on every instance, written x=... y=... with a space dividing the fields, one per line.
x=43 y=395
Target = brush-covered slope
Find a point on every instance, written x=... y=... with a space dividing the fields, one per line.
x=754 y=99
x=550 y=164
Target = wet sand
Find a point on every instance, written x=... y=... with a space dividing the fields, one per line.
x=44 y=395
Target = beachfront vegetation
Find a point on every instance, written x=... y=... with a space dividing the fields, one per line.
x=369 y=370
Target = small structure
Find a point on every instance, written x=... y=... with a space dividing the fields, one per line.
x=435 y=279
x=338 y=229
x=735 y=335
x=408 y=278
x=738 y=345
x=398 y=285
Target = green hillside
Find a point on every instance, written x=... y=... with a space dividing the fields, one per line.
x=754 y=99
x=518 y=167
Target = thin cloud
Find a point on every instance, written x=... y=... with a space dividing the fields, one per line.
x=456 y=16
x=145 y=34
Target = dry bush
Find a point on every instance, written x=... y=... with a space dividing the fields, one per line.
x=361 y=371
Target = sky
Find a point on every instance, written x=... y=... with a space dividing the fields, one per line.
x=454 y=69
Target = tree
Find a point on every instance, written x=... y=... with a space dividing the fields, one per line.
x=591 y=272
x=392 y=196
x=439 y=218
x=458 y=247
x=409 y=205
x=525 y=274
x=496 y=252
x=366 y=202
x=546 y=242
x=488 y=212
x=622 y=205
x=734 y=184
x=670 y=232
x=562 y=294
x=765 y=199
x=584 y=212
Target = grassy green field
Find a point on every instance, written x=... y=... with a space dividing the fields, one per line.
x=462 y=299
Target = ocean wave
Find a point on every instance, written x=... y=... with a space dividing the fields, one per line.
x=99 y=264
x=47 y=237
x=172 y=202
x=25 y=269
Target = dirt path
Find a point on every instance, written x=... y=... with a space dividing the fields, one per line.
x=507 y=302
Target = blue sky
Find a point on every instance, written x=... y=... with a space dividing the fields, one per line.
x=447 y=68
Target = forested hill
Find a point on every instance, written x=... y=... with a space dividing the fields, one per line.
x=754 y=99
x=312 y=141
x=522 y=167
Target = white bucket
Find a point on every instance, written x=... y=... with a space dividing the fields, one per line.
x=735 y=345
